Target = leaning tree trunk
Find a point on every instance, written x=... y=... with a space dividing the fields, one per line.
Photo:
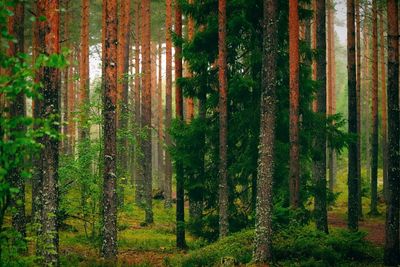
x=109 y=230
x=51 y=80
x=263 y=238
x=180 y=193
x=294 y=163
x=374 y=112
x=320 y=139
x=353 y=208
x=392 y=255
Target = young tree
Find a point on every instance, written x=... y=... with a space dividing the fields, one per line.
x=223 y=121
x=374 y=112
x=168 y=102
x=392 y=256
x=49 y=44
x=146 y=110
x=17 y=109
x=265 y=175
x=180 y=193
x=294 y=164
x=320 y=140
x=109 y=229
x=352 y=120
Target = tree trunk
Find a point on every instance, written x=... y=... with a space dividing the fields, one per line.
x=223 y=122
x=320 y=140
x=262 y=243
x=294 y=164
x=146 y=110
x=374 y=111
x=109 y=231
x=190 y=102
x=168 y=103
x=51 y=80
x=160 y=122
x=84 y=73
x=353 y=208
x=17 y=109
x=384 y=105
x=180 y=192
x=138 y=176
x=391 y=253
x=359 y=99
x=65 y=140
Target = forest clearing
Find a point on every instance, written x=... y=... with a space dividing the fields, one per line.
x=199 y=133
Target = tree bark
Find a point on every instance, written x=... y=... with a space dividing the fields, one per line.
x=391 y=252
x=294 y=164
x=160 y=122
x=109 y=231
x=262 y=242
x=321 y=216
x=180 y=192
x=65 y=139
x=49 y=44
x=374 y=111
x=353 y=208
x=17 y=109
x=146 y=110
x=168 y=103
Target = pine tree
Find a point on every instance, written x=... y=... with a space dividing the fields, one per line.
x=265 y=174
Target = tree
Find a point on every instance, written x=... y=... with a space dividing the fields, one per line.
x=17 y=109
x=109 y=228
x=180 y=193
x=320 y=140
x=189 y=101
x=146 y=110
x=391 y=253
x=266 y=149
x=352 y=119
x=223 y=121
x=49 y=44
x=84 y=130
x=160 y=145
x=66 y=80
x=294 y=164
x=168 y=102
x=374 y=112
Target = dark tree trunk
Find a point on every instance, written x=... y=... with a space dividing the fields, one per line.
x=374 y=111
x=49 y=44
x=109 y=231
x=353 y=208
x=392 y=255
x=168 y=103
x=146 y=110
x=262 y=252
x=294 y=164
x=17 y=109
x=320 y=140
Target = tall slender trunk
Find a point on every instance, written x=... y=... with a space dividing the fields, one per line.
x=138 y=176
x=353 y=208
x=146 y=110
x=84 y=73
x=51 y=80
x=160 y=113
x=262 y=242
x=359 y=99
x=384 y=105
x=391 y=255
x=109 y=231
x=189 y=101
x=17 y=109
x=65 y=141
x=331 y=86
x=320 y=140
x=168 y=102
x=154 y=112
x=294 y=164
x=71 y=101
x=374 y=111
x=180 y=191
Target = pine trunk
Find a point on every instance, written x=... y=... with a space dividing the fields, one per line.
x=146 y=110
x=109 y=231
x=391 y=255
x=84 y=73
x=160 y=122
x=353 y=193
x=263 y=238
x=294 y=164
